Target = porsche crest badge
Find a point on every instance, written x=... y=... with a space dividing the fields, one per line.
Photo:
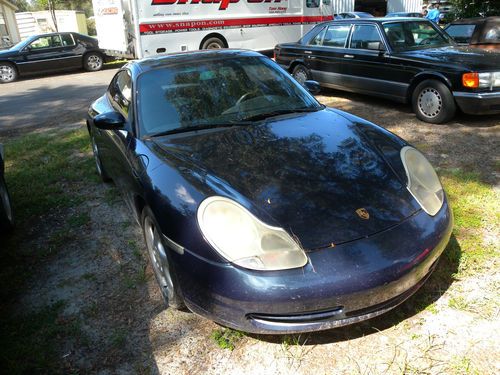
x=363 y=213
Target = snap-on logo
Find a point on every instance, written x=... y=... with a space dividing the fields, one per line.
x=223 y=3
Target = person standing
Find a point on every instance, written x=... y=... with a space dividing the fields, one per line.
x=433 y=13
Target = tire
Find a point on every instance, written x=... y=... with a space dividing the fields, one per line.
x=93 y=61
x=213 y=43
x=433 y=102
x=301 y=74
x=6 y=214
x=8 y=72
x=159 y=256
x=98 y=163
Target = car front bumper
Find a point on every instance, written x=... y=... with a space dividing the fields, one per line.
x=485 y=103
x=340 y=285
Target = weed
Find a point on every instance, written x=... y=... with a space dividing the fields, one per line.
x=227 y=338
x=118 y=338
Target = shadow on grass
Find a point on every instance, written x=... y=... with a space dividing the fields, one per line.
x=423 y=299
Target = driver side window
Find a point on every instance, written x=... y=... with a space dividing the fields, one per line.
x=46 y=42
x=120 y=91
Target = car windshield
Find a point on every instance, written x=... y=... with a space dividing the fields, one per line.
x=414 y=35
x=219 y=92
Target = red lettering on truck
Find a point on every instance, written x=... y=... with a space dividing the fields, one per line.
x=223 y=3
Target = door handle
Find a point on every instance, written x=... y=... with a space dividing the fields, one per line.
x=349 y=56
x=308 y=52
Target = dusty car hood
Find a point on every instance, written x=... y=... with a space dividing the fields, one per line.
x=467 y=57
x=307 y=173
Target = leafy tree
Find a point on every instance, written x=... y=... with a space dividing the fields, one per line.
x=475 y=8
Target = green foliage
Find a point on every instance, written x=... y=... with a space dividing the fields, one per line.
x=85 y=5
x=227 y=338
x=474 y=8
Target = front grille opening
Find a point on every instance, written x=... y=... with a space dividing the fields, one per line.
x=299 y=318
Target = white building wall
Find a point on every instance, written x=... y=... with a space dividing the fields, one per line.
x=341 y=6
x=404 y=6
x=31 y=23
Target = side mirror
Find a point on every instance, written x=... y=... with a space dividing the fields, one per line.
x=109 y=121
x=312 y=86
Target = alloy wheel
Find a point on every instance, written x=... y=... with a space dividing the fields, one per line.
x=94 y=62
x=95 y=151
x=158 y=257
x=7 y=73
x=430 y=102
x=4 y=196
x=301 y=76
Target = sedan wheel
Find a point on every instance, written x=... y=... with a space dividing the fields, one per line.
x=98 y=164
x=300 y=74
x=433 y=102
x=160 y=261
x=6 y=215
x=8 y=73
x=93 y=62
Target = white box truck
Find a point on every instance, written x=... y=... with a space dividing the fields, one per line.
x=141 y=28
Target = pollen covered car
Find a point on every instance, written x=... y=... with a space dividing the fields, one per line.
x=262 y=209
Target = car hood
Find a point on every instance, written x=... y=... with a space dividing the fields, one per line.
x=468 y=57
x=307 y=173
x=8 y=53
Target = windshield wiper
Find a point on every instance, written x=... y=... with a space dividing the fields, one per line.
x=184 y=129
x=278 y=112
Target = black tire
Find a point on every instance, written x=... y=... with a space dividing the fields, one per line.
x=213 y=43
x=301 y=74
x=433 y=102
x=98 y=163
x=160 y=258
x=8 y=72
x=6 y=214
x=93 y=61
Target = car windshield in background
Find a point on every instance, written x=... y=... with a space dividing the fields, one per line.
x=412 y=35
x=461 y=33
x=217 y=93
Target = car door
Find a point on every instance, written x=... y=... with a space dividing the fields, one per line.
x=71 y=51
x=121 y=161
x=324 y=58
x=369 y=67
x=42 y=55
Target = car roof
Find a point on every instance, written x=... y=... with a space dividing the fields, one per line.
x=475 y=20
x=378 y=19
x=191 y=57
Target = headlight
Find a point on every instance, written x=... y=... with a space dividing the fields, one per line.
x=244 y=240
x=423 y=182
x=483 y=80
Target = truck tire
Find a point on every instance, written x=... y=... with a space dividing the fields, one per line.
x=8 y=72
x=433 y=102
x=93 y=61
x=213 y=43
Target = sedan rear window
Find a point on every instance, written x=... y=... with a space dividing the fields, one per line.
x=414 y=35
x=461 y=33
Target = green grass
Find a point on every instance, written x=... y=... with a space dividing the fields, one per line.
x=29 y=344
x=477 y=213
x=227 y=338
x=47 y=176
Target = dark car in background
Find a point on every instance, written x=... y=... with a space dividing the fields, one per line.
x=6 y=215
x=261 y=208
x=404 y=14
x=402 y=59
x=477 y=32
x=346 y=15
x=50 y=53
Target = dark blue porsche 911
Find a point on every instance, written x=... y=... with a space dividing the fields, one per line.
x=262 y=209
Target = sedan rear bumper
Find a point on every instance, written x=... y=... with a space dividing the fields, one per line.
x=339 y=286
x=486 y=103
